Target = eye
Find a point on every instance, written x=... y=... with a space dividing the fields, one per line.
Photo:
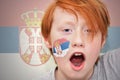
x=87 y=30
x=67 y=30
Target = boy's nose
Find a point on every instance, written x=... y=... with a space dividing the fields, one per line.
x=78 y=41
x=78 y=45
x=75 y=44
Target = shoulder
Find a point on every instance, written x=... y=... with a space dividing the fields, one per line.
x=115 y=51
x=111 y=62
x=113 y=55
x=108 y=67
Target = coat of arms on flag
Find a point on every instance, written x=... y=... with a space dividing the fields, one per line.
x=32 y=48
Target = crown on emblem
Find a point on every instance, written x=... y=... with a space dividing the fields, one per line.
x=32 y=18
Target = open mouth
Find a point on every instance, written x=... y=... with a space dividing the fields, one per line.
x=77 y=60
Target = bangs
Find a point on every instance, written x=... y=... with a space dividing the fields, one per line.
x=93 y=11
x=83 y=11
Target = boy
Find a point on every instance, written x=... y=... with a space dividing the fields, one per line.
x=80 y=28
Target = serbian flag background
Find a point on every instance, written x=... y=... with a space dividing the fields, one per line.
x=12 y=65
x=21 y=57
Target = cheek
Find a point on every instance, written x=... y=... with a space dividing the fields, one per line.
x=94 y=51
x=92 y=57
x=96 y=45
x=59 y=61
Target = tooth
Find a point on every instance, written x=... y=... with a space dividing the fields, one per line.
x=78 y=54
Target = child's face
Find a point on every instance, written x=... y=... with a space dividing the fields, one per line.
x=83 y=51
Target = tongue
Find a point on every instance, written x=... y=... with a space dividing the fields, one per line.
x=76 y=61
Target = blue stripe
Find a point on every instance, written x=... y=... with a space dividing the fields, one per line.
x=113 y=39
x=65 y=45
x=9 y=40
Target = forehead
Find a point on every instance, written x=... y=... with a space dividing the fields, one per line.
x=61 y=15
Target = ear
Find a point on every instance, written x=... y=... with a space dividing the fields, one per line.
x=47 y=43
x=103 y=42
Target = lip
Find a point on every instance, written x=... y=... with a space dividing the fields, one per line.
x=81 y=62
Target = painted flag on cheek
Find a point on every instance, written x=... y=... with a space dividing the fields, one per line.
x=60 y=47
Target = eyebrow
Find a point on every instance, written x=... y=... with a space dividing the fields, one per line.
x=69 y=23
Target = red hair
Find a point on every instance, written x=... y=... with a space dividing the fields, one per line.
x=94 y=12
